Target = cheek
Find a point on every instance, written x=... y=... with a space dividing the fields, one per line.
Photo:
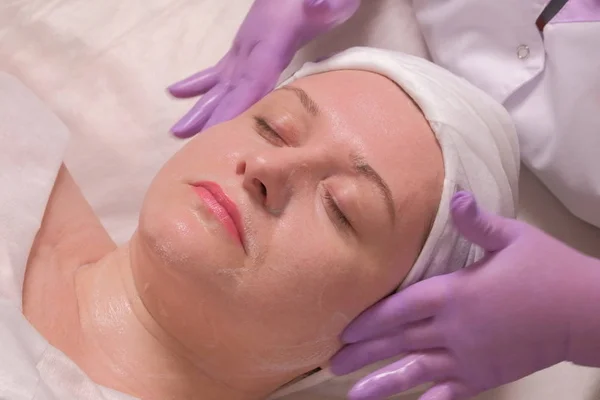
x=303 y=290
x=314 y=286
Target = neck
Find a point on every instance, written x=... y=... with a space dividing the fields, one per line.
x=121 y=346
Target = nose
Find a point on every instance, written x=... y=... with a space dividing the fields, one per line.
x=269 y=178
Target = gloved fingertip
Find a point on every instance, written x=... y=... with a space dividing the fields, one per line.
x=179 y=84
x=439 y=392
x=463 y=202
x=194 y=85
x=365 y=389
x=180 y=89
x=184 y=129
x=174 y=86
x=182 y=134
x=173 y=90
x=340 y=364
x=338 y=369
x=316 y=4
x=351 y=335
x=483 y=229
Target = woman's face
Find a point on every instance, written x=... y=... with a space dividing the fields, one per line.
x=336 y=179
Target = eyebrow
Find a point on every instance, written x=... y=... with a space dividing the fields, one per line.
x=307 y=102
x=363 y=168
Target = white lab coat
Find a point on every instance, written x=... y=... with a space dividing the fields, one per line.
x=549 y=82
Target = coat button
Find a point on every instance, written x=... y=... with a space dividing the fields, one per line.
x=523 y=52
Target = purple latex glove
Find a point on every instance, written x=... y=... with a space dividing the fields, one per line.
x=272 y=32
x=530 y=303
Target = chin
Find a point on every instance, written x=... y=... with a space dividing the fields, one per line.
x=184 y=242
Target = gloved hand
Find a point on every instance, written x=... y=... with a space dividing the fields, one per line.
x=272 y=32
x=530 y=303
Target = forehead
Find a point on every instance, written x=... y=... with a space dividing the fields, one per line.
x=368 y=113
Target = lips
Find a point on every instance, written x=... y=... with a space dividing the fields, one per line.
x=222 y=207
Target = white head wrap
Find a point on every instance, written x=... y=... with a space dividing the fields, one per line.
x=478 y=142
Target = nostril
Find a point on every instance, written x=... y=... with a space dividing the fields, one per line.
x=261 y=187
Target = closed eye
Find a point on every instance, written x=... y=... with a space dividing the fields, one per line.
x=262 y=127
x=338 y=215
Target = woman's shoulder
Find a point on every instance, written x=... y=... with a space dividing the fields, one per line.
x=32 y=145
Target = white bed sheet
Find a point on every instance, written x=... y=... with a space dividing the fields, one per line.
x=102 y=66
